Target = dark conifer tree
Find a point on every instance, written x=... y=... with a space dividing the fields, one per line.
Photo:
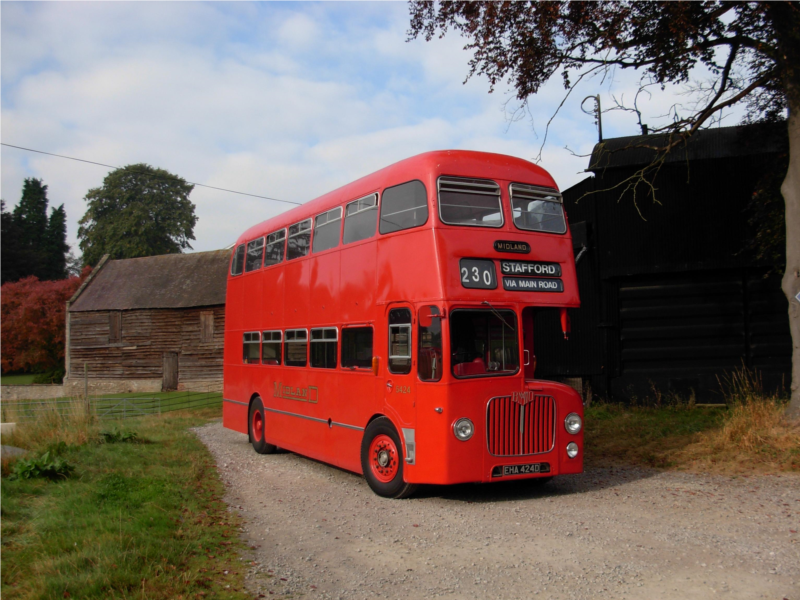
x=10 y=254
x=55 y=245
x=30 y=217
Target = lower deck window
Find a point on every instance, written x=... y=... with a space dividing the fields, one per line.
x=484 y=342
x=357 y=347
x=271 y=348
x=296 y=348
x=251 y=343
x=324 y=343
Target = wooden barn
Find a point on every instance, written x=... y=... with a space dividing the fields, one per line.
x=149 y=324
x=673 y=294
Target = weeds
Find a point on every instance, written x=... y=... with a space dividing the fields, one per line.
x=45 y=467
x=116 y=436
x=749 y=433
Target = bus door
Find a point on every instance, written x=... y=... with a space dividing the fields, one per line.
x=399 y=388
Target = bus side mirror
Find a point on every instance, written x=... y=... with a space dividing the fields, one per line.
x=566 y=325
x=427 y=314
x=375 y=364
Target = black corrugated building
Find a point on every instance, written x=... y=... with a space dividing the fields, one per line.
x=670 y=295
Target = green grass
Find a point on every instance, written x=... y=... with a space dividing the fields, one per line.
x=748 y=434
x=136 y=520
x=25 y=379
x=644 y=435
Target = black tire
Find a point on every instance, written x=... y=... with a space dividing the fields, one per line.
x=256 y=428
x=382 y=460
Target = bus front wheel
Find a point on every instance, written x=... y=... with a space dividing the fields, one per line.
x=382 y=460
x=256 y=428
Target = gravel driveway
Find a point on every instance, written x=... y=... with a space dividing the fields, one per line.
x=319 y=532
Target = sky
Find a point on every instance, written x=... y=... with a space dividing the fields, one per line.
x=286 y=100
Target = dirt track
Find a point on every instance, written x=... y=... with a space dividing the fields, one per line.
x=319 y=532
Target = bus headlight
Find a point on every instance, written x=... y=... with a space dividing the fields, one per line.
x=573 y=423
x=572 y=449
x=463 y=429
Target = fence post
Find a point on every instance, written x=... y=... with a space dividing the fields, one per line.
x=86 y=387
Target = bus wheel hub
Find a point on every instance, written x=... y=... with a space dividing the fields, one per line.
x=384 y=458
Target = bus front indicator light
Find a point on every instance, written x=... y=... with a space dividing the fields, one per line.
x=573 y=423
x=463 y=429
x=572 y=449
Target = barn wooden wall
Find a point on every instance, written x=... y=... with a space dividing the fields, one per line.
x=146 y=335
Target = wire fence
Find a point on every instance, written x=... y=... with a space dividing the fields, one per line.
x=112 y=406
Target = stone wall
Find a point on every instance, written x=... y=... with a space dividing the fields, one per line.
x=34 y=391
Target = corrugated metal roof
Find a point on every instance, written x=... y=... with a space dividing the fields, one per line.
x=721 y=142
x=166 y=281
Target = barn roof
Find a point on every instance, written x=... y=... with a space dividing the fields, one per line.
x=720 y=142
x=167 y=281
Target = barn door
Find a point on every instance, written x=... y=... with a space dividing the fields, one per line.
x=170 y=381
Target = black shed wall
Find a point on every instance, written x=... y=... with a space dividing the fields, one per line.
x=669 y=294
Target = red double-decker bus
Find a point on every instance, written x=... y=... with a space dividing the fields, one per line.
x=387 y=327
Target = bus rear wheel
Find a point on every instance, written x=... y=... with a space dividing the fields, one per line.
x=256 y=428
x=382 y=460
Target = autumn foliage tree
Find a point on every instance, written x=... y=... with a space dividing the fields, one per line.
x=33 y=314
x=748 y=52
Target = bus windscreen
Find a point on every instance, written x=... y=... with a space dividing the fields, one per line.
x=484 y=343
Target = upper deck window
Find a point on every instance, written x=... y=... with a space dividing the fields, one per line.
x=326 y=230
x=276 y=244
x=237 y=264
x=472 y=202
x=255 y=250
x=537 y=208
x=299 y=239
x=404 y=206
x=360 y=219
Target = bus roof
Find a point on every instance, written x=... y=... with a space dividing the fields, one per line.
x=463 y=163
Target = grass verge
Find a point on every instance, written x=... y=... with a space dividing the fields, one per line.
x=143 y=519
x=750 y=434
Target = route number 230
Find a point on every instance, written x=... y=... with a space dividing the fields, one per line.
x=478 y=274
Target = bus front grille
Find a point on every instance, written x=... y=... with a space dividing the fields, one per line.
x=516 y=428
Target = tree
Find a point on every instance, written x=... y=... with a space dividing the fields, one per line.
x=139 y=211
x=54 y=245
x=12 y=256
x=33 y=316
x=750 y=49
x=32 y=243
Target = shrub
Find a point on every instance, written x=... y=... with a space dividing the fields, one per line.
x=115 y=436
x=46 y=466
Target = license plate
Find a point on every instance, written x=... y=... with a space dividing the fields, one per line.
x=529 y=469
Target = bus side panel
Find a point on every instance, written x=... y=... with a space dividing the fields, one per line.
x=272 y=298
x=324 y=293
x=234 y=416
x=297 y=293
x=408 y=268
x=353 y=408
x=357 y=282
